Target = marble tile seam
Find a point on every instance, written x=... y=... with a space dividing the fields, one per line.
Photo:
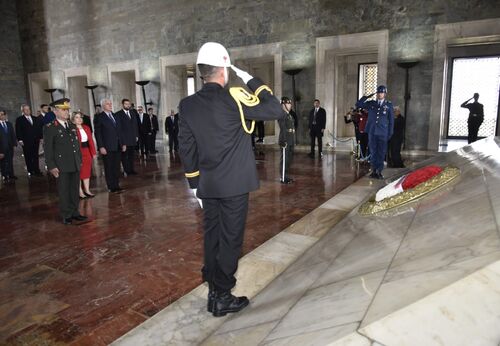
x=390 y=264
x=315 y=331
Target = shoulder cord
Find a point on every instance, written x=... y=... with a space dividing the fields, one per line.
x=240 y=95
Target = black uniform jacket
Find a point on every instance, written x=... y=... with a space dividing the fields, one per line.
x=61 y=147
x=215 y=150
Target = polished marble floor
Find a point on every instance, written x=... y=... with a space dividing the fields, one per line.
x=141 y=251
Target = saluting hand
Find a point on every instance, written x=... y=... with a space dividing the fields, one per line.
x=245 y=76
x=55 y=172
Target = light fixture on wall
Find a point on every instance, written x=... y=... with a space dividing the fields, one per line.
x=293 y=73
x=91 y=88
x=407 y=65
x=142 y=83
x=51 y=91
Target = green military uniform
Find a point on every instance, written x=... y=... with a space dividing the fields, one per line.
x=62 y=151
x=287 y=144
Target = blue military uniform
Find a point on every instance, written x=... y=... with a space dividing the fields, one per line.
x=379 y=127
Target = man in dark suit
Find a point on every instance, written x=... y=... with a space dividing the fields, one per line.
x=29 y=134
x=172 y=129
x=145 y=131
x=109 y=138
x=155 y=128
x=216 y=152
x=7 y=143
x=46 y=115
x=128 y=124
x=317 y=124
x=64 y=158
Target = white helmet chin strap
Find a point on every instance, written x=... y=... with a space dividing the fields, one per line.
x=226 y=76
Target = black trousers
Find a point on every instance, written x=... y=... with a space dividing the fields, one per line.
x=173 y=142
x=68 y=184
x=112 y=169
x=260 y=130
x=395 y=159
x=473 y=127
x=144 y=144
x=315 y=135
x=288 y=151
x=127 y=158
x=224 y=226
x=6 y=164
x=152 y=142
x=363 y=143
x=30 y=151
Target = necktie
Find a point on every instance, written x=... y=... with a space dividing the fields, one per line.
x=30 y=120
x=110 y=115
x=4 y=125
x=128 y=114
x=66 y=126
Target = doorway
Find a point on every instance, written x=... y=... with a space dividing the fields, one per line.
x=474 y=75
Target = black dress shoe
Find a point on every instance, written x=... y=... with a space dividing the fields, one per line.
x=311 y=155
x=374 y=175
x=287 y=181
x=380 y=176
x=13 y=177
x=225 y=303
x=210 y=302
x=79 y=218
x=67 y=221
x=132 y=173
x=89 y=195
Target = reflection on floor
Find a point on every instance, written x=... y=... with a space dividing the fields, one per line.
x=142 y=250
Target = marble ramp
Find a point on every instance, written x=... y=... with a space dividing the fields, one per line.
x=426 y=274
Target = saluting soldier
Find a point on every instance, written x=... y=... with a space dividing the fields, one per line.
x=216 y=151
x=476 y=117
x=63 y=159
x=286 y=140
x=379 y=127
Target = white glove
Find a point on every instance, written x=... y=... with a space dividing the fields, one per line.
x=200 y=202
x=245 y=76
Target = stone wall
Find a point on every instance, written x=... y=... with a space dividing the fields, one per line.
x=95 y=33
x=12 y=85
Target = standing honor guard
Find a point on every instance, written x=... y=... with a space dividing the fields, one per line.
x=379 y=127
x=476 y=117
x=286 y=140
x=63 y=159
x=215 y=148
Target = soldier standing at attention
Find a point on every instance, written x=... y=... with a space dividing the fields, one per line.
x=286 y=140
x=476 y=117
x=63 y=159
x=379 y=127
x=215 y=149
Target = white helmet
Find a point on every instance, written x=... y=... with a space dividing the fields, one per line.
x=213 y=54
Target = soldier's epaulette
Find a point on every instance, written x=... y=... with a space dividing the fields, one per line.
x=48 y=124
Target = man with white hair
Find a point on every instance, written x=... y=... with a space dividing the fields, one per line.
x=216 y=150
x=111 y=144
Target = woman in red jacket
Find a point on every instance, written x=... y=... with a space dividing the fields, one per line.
x=87 y=148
